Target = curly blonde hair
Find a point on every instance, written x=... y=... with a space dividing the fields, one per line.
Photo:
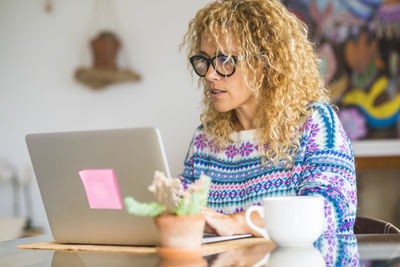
x=281 y=69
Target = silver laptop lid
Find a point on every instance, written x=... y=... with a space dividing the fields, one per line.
x=132 y=154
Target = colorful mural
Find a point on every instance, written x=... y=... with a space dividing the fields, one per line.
x=359 y=44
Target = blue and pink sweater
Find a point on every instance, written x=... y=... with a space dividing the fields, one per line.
x=323 y=165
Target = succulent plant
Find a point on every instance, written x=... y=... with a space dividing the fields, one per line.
x=172 y=198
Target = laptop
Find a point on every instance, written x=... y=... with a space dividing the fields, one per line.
x=83 y=177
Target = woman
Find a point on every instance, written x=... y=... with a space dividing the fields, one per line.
x=267 y=129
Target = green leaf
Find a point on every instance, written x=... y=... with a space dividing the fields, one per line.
x=196 y=201
x=152 y=209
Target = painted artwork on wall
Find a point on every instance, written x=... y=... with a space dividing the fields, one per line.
x=359 y=44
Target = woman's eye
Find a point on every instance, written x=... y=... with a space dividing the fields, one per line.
x=222 y=59
x=225 y=60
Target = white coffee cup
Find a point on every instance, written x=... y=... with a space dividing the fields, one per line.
x=293 y=256
x=290 y=220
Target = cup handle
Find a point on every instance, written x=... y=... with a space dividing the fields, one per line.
x=260 y=230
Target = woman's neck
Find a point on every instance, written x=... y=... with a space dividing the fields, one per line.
x=243 y=125
x=245 y=120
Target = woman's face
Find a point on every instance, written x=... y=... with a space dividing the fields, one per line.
x=228 y=93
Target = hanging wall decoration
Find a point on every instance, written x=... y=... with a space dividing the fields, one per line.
x=105 y=46
x=359 y=44
x=48 y=6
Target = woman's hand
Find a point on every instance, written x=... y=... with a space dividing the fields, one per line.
x=218 y=223
x=229 y=224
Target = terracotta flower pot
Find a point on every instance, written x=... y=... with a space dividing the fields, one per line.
x=181 y=232
x=105 y=48
x=180 y=236
x=182 y=262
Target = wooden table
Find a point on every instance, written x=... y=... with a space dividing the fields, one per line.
x=372 y=249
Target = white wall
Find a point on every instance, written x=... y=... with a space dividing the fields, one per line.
x=39 y=52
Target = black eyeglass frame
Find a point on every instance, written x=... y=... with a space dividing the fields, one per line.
x=210 y=61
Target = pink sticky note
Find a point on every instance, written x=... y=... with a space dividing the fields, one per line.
x=101 y=189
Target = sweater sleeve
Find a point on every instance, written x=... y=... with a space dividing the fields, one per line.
x=328 y=169
x=339 y=250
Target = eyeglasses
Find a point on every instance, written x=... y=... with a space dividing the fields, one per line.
x=223 y=65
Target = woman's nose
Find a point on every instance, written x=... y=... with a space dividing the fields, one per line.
x=211 y=74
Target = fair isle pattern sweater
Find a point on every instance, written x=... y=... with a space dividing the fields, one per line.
x=324 y=165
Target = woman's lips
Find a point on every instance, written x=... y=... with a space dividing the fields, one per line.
x=217 y=93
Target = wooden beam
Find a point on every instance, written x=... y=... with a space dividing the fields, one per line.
x=377 y=163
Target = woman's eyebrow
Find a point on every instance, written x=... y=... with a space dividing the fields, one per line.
x=204 y=53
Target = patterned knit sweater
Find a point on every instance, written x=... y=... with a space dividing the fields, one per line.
x=324 y=165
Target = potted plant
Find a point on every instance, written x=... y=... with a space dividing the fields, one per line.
x=177 y=212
